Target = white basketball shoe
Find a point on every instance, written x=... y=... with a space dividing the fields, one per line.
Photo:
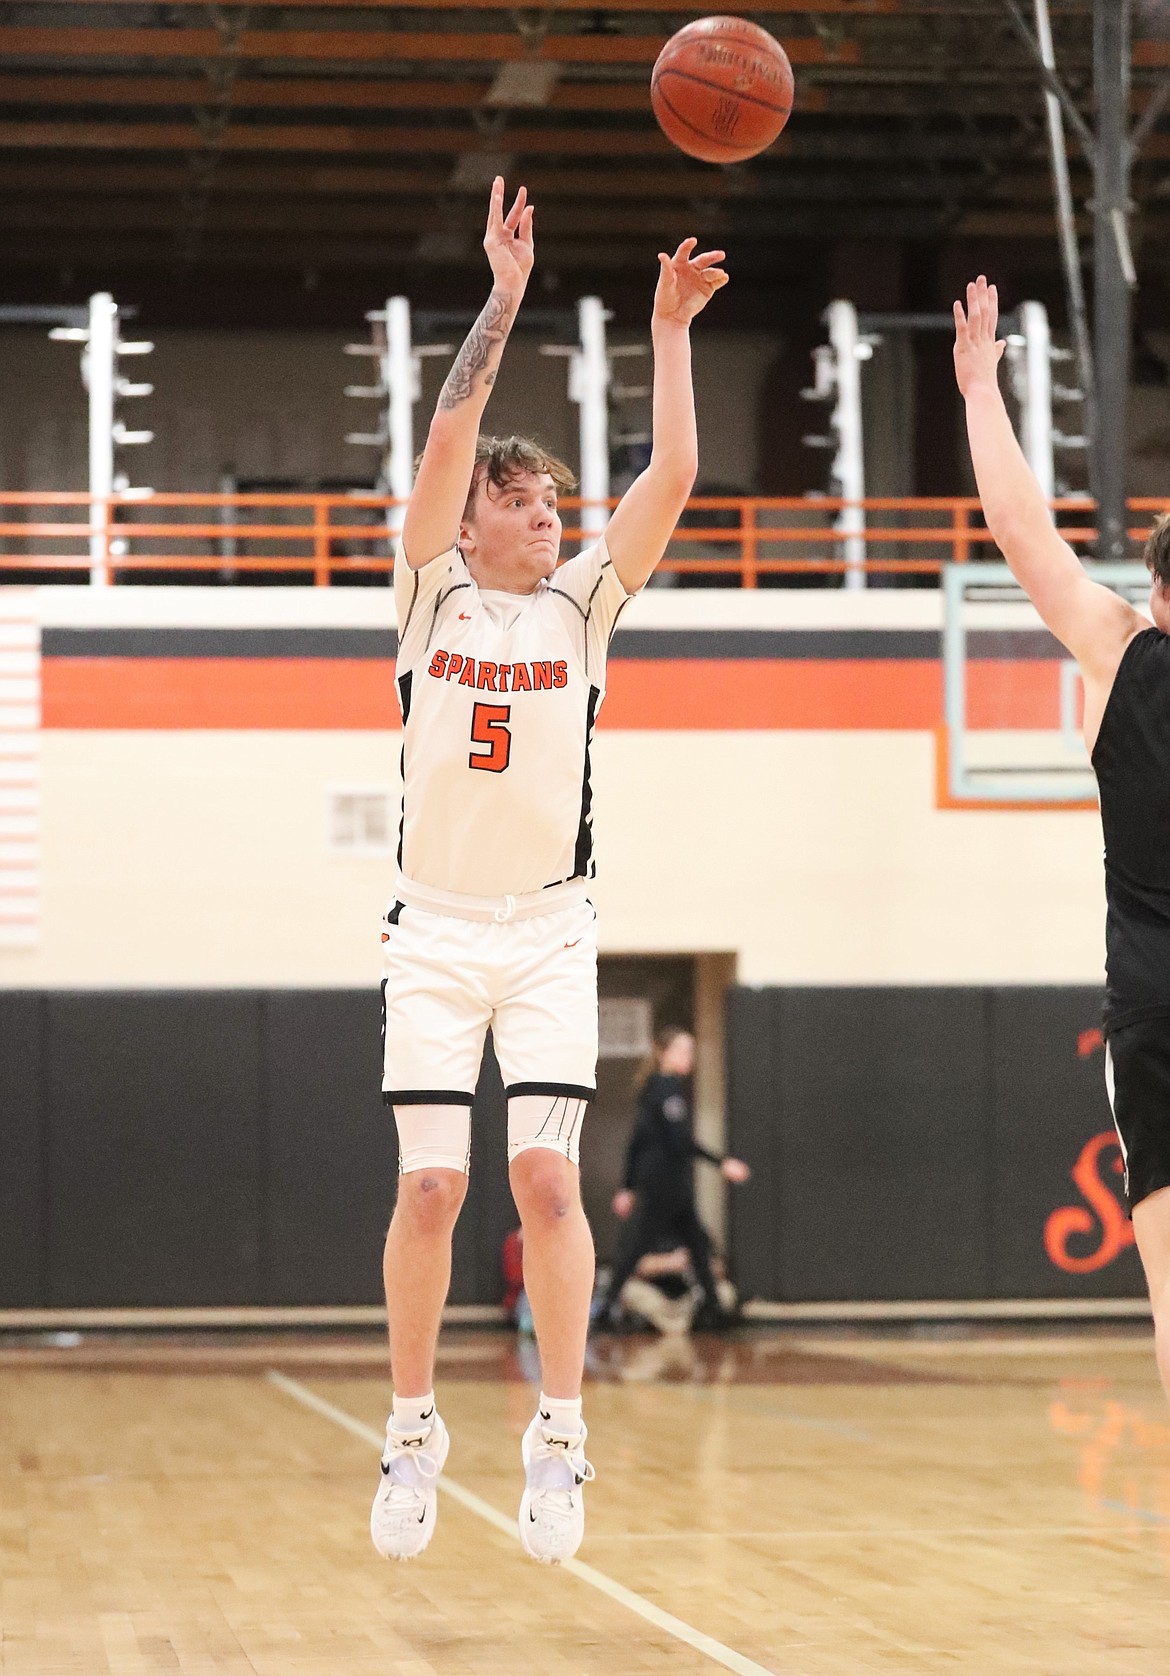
x=402 y=1519
x=552 y=1508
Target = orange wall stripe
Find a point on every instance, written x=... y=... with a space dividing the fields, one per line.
x=700 y=695
x=756 y=695
x=168 y=693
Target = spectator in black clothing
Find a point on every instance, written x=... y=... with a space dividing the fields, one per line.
x=657 y=1199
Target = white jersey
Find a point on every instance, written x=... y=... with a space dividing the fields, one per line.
x=499 y=694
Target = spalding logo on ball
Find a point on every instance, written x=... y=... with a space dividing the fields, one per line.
x=721 y=89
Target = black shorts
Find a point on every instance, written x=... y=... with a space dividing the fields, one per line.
x=1137 y=1074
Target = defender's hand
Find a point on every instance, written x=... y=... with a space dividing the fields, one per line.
x=686 y=282
x=508 y=240
x=623 y=1203
x=977 y=349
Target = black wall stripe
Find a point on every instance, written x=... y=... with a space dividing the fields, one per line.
x=218 y=643
x=644 y=644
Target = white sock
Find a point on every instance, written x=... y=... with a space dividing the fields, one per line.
x=561 y=1416
x=412 y=1416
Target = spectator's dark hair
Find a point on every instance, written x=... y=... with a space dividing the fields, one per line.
x=1157 y=553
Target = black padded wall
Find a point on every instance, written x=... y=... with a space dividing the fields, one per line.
x=329 y=1144
x=216 y=1148
x=919 y=1143
x=1055 y=1235
x=22 y=1185
x=154 y=1155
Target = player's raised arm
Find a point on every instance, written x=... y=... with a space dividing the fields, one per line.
x=1092 y=621
x=644 y=520
x=436 y=504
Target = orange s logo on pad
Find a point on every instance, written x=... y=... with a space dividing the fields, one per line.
x=1116 y=1231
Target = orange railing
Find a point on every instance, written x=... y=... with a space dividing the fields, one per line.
x=334 y=538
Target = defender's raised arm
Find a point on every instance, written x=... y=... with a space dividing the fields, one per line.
x=644 y=520
x=436 y=504
x=1092 y=621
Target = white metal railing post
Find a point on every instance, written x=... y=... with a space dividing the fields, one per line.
x=1029 y=354
x=588 y=387
x=849 y=349
x=98 y=372
x=401 y=377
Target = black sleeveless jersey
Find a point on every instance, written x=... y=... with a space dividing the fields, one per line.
x=1132 y=762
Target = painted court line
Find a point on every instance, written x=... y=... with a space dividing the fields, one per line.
x=714 y=1650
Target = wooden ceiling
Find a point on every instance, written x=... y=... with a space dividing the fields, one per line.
x=360 y=134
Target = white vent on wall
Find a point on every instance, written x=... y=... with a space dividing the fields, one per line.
x=625 y=1026
x=359 y=820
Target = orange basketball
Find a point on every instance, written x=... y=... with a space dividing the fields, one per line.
x=721 y=89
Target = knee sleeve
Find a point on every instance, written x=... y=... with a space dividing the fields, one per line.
x=433 y=1138
x=548 y=1120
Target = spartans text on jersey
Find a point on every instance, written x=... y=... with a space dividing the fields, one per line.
x=498 y=677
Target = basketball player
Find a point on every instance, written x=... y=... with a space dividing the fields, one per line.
x=501 y=669
x=1125 y=665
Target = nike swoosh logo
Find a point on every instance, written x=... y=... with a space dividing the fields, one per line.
x=428 y=1413
x=463 y=617
x=543 y=1415
x=571 y=945
x=385 y=1470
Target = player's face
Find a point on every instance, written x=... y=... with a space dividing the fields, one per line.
x=512 y=537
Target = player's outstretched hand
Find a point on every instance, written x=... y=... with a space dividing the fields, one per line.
x=734 y=1169
x=623 y=1202
x=686 y=282
x=508 y=240
x=977 y=349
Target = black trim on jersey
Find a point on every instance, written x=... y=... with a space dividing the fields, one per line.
x=561 y=594
x=574 y=1090
x=426 y=1097
x=441 y=600
x=617 y=618
x=403 y=684
x=588 y=610
x=382 y=987
x=413 y=598
x=583 y=854
x=395 y=913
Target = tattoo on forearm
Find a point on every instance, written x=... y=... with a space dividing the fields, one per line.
x=492 y=328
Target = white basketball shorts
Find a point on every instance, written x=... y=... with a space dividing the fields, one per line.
x=445 y=980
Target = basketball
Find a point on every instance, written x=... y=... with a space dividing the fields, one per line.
x=721 y=89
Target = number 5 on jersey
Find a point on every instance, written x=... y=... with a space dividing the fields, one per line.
x=489 y=726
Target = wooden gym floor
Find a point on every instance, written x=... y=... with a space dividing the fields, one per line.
x=806 y=1505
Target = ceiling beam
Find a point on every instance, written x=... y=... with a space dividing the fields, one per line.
x=107 y=252
x=362 y=45
x=773 y=8
x=303 y=93
x=176 y=136
x=857 y=146
x=675 y=181
x=658 y=204
x=309 y=93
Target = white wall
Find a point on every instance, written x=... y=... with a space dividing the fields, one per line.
x=193 y=857
x=200 y=858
